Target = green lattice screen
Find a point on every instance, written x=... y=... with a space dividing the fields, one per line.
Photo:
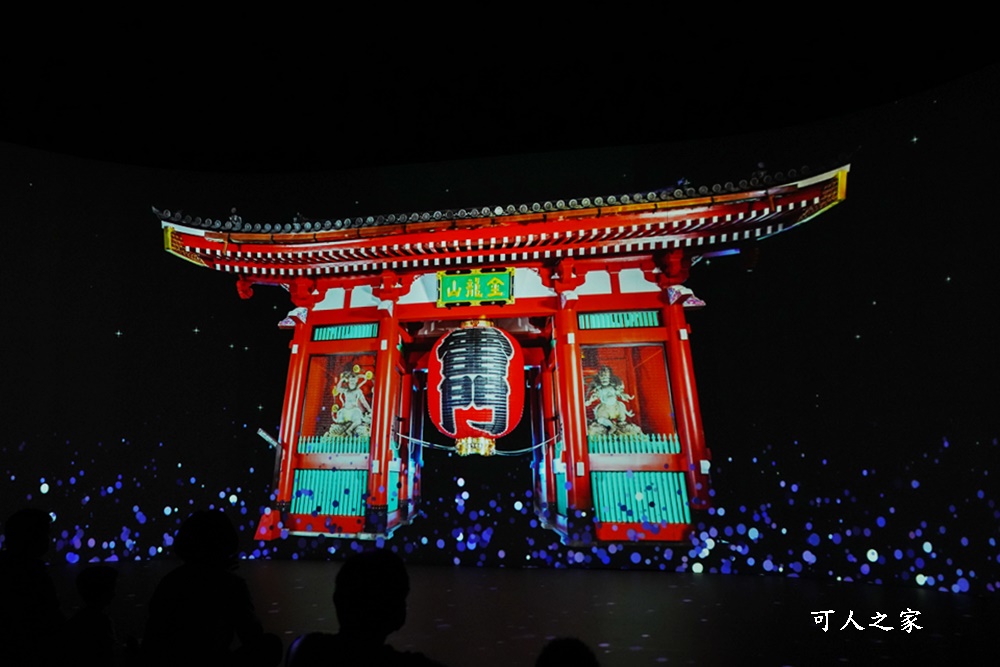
x=562 y=499
x=625 y=319
x=337 y=492
x=645 y=443
x=392 y=491
x=656 y=497
x=345 y=331
x=333 y=444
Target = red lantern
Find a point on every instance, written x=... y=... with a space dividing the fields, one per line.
x=475 y=386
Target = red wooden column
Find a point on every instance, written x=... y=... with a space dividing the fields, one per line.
x=569 y=375
x=291 y=409
x=548 y=433
x=404 y=396
x=686 y=408
x=385 y=404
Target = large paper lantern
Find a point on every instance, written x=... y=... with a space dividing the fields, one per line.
x=475 y=386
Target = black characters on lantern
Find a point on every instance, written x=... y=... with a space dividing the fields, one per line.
x=474 y=365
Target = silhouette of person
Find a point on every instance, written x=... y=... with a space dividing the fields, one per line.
x=198 y=609
x=29 y=607
x=90 y=631
x=370 y=600
x=564 y=651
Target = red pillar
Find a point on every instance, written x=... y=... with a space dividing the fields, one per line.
x=547 y=434
x=383 y=416
x=570 y=378
x=288 y=432
x=686 y=408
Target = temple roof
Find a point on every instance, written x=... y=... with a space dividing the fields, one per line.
x=704 y=220
x=303 y=225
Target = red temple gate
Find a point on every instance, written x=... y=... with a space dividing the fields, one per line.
x=592 y=293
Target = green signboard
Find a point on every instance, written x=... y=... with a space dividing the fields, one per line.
x=475 y=287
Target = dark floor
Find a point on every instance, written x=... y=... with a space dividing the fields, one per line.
x=503 y=617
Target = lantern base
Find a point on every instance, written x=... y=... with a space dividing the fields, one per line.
x=483 y=446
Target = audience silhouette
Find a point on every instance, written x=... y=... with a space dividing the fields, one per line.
x=29 y=607
x=198 y=609
x=90 y=632
x=370 y=601
x=565 y=652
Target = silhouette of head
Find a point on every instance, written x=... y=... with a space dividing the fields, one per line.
x=26 y=533
x=566 y=651
x=96 y=585
x=207 y=538
x=370 y=593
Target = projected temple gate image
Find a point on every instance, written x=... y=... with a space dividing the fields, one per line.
x=569 y=316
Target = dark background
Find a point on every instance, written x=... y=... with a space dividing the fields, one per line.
x=847 y=371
